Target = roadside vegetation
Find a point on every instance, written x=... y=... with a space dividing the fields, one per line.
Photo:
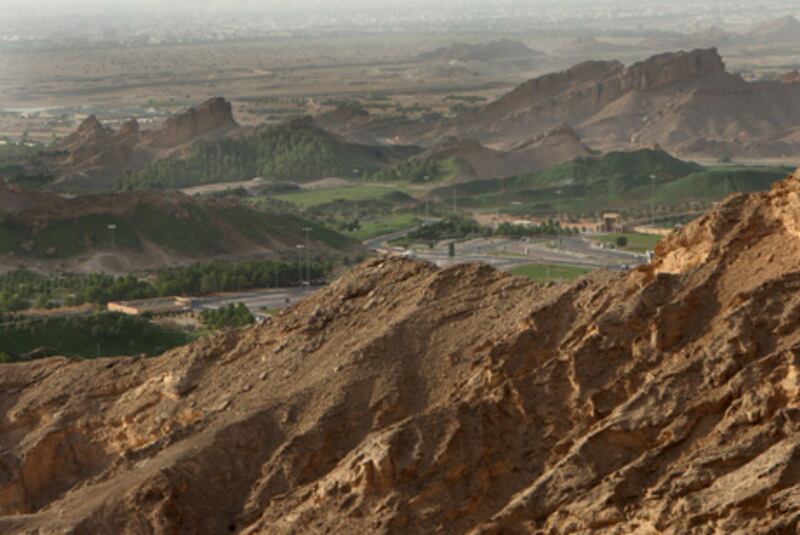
x=418 y=170
x=93 y=336
x=22 y=289
x=20 y=164
x=550 y=272
x=228 y=317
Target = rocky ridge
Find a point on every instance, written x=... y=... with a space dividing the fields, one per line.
x=94 y=155
x=408 y=399
x=686 y=102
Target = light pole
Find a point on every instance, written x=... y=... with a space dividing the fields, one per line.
x=653 y=200
x=306 y=230
x=112 y=227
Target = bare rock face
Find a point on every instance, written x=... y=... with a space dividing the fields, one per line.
x=90 y=131
x=408 y=399
x=559 y=144
x=672 y=68
x=211 y=116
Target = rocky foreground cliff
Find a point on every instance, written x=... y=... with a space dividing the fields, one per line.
x=407 y=399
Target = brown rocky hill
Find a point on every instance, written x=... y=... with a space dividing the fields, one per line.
x=95 y=154
x=408 y=399
x=476 y=161
x=677 y=100
x=685 y=102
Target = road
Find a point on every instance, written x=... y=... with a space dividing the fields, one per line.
x=507 y=254
x=256 y=300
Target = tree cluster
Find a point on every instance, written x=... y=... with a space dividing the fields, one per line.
x=288 y=151
x=228 y=317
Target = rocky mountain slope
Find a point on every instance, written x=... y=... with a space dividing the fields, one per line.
x=477 y=161
x=95 y=154
x=685 y=102
x=407 y=399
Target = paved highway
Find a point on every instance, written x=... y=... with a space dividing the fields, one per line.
x=255 y=300
x=506 y=254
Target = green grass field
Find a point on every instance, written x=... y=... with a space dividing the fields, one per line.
x=308 y=199
x=640 y=243
x=550 y=272
x=386 y=225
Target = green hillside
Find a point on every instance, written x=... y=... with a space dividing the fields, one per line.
x=194 y=230
x=296 y=150
x=612 y=173
x=420 y=170
x=613 y=181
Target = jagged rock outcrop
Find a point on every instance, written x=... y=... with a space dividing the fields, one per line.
x=670 y=69
x=408 y=399
x=558 y=145
x=91 y=130
x=211 y=117
x=95 y=155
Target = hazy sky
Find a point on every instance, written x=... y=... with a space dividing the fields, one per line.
x=100 y=12
x=43 y=6
x=97 y=5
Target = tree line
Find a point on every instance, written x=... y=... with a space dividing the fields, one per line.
x=293 y=151
x=23 y=289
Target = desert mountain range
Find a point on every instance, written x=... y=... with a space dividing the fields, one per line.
x=685 y=102
x=94 y=155
x=408 y=399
